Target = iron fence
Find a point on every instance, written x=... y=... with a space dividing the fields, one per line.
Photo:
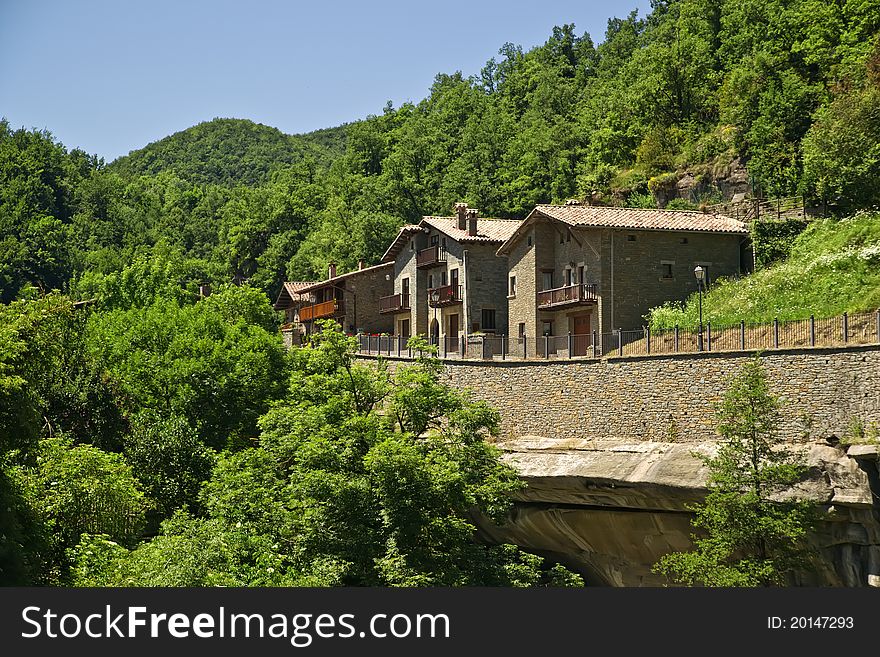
x=847 y=329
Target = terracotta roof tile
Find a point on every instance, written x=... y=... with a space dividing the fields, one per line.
x=290 y=293
x=643 y=219
x=397 y=245
x=330 y=281
x=488 y=230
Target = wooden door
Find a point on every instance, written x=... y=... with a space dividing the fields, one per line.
x=581 y=336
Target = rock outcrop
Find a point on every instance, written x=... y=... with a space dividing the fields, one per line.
x=611 y=510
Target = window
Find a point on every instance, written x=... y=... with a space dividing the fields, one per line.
x=684 y=240
x=530 y=240
x=403 y=328
x=434 y=239
x=443 y=278
x=562 y=238
x=513 y=286
x=522 y=329
x=443 y=243
x=430 y=281
x=488 y=317
x=666 y=269
x=567 y=277
x=630 y=238
x=547 y=279
x=412 y=245
x=404 y=288
x=580 y=279
x=547 y=328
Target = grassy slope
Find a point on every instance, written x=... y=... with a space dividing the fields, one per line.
x=834 y=267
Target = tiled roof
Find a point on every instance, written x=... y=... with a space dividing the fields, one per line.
x=488 y=230
x=399 y=241
x=634 y=219
x=290 y=293
x=331 y=281
x=644 y=219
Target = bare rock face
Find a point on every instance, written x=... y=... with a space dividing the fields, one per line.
x=611 y=511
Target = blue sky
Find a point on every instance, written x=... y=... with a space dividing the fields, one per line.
x=110 y=76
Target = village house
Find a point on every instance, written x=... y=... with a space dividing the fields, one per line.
x=577 y=269
x=352 y=299
x=447 y=280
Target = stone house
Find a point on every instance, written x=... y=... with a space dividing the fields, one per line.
x=289 y=301
x=581 y=269
x=352 y=299
x=447 y=279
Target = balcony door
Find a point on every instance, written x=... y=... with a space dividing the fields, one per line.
x=453 y=281
x=547 y=279
x=452 y=333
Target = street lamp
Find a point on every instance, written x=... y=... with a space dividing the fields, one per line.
x=700 y=273
x=435 y=298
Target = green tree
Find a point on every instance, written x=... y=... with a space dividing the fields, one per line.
x=218 y=362
x=169 y=460
x=74 y=489
x=754 y=526
x=340 y=491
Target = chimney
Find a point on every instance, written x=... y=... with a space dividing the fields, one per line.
x=461 y=212
x=360 y=264
x=472 y=222
x=331 y=270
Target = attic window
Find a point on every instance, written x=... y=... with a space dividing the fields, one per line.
x=684 y=240
x=630 y=238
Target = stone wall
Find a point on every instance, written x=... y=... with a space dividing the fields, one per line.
x=486 y=286
x=672 y=398
x=362 y=293
x=637 y=269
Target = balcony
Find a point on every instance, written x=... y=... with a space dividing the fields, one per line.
x=570 y=295
x=394 y=303
x=320 y=310
x=430 y=257
x=447 y=295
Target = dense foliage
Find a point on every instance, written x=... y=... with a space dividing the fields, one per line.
x=229 y=152
x=753 y=531
x=340 y=491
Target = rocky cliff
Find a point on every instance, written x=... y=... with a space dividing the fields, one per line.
x=611 y=511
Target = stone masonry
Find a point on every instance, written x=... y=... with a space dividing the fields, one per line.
x=672 y=398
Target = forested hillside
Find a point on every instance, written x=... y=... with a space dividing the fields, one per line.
x=230 y=152
x=148 y=436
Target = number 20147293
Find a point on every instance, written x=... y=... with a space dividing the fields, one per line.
x=810 y=623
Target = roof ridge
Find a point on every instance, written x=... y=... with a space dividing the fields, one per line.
x=626 y=207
